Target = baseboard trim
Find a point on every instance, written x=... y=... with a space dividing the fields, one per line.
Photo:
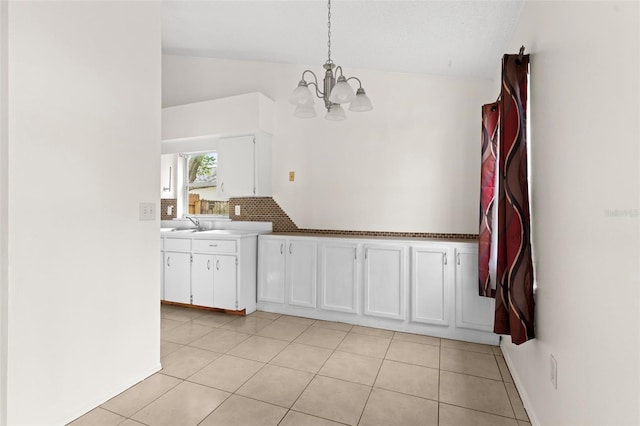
x=110 y=394
x=526 y=401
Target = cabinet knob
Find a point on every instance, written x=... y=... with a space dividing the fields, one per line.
x=458 y=258
x=281 y=248
x=168 y=263
x=208 y=264
x=217 y=265
x=290 y=248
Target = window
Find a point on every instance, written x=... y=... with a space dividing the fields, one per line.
x=200 y=183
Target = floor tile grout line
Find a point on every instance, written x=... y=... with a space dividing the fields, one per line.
x=364 y=407
x=316 y=373
x=471 y=375
x=479 y=411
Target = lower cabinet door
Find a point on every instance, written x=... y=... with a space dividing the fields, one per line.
x=271 y=270
x=430 y=285
x=301 y=274
x=384 y=281
x=202 y=280
x=472 y=310
x=339 y=277
x=225 y=279
x=177 y=277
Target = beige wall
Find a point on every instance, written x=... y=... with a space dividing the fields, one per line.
x=83 y=280
x=585 y=162
x=410 y=165
x=4 y=195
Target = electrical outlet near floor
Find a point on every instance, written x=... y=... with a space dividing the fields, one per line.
x=553 y=371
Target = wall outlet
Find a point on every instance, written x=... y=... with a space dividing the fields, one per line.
x=553 y=371
x=237 y=210
x=147 y=211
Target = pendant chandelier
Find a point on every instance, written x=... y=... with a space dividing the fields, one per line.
x=334 y=92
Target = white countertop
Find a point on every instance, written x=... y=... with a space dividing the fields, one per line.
x=213 y=233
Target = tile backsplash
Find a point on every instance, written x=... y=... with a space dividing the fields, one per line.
x=266 y=209
x=168 y=205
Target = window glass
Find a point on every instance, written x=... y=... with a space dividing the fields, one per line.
x=201 y=172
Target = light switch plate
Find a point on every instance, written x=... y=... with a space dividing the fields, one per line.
x=147 y=211
x=292 y=176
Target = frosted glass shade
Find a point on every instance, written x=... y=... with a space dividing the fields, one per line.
x=342 y=93
x=362 y=102
x=336 y=113
x=305 y=111
x=301 y=95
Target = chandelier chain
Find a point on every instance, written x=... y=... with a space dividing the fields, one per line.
x=329 y=31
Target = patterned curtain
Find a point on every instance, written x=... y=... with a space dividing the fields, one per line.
x=490 y=117
x=514 y=293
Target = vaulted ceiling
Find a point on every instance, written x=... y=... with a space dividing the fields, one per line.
x=456 y=38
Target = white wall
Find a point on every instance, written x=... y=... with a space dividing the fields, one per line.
x=83 y=284
x=4 y=195
x=412 y=164
x=585 y=161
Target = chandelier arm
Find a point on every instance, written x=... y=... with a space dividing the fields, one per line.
x=319 y=94
x=356 y=79
x=315 y=83
x=339 y=67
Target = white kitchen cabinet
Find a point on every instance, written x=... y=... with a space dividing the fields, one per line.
x=168 y=175
x=430 y=284
x=216 y=272
x=202 y=280
x=177 y=277
x=301 y=261
x=225 y=296
x=472 y=310
x=244 y=166
x=288 y=267
x=339 y=276
x=271 y=269
x=384 y=281
x=412 y=286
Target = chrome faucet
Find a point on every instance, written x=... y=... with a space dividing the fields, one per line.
x=195 y=221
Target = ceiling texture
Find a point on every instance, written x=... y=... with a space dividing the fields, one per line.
x=446 y=37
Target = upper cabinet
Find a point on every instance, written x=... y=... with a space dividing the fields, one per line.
x=237 y=128
x=168 y=170
x=244 y=166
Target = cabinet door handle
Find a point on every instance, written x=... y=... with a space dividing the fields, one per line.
x=213 y=245
x=218 y=265
x=290 y=248
x=458 y=258
x=222 y=186
x=208 y=264
x=444 y=258
x=366 y=254
x=168 y=263
x=281 y=248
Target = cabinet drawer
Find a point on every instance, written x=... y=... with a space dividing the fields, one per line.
x=207 y=246
x=177 y=244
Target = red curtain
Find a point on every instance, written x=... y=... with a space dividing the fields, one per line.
x=515 y=305
x=490 y=115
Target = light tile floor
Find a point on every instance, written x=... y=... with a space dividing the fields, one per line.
x=268 y=369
